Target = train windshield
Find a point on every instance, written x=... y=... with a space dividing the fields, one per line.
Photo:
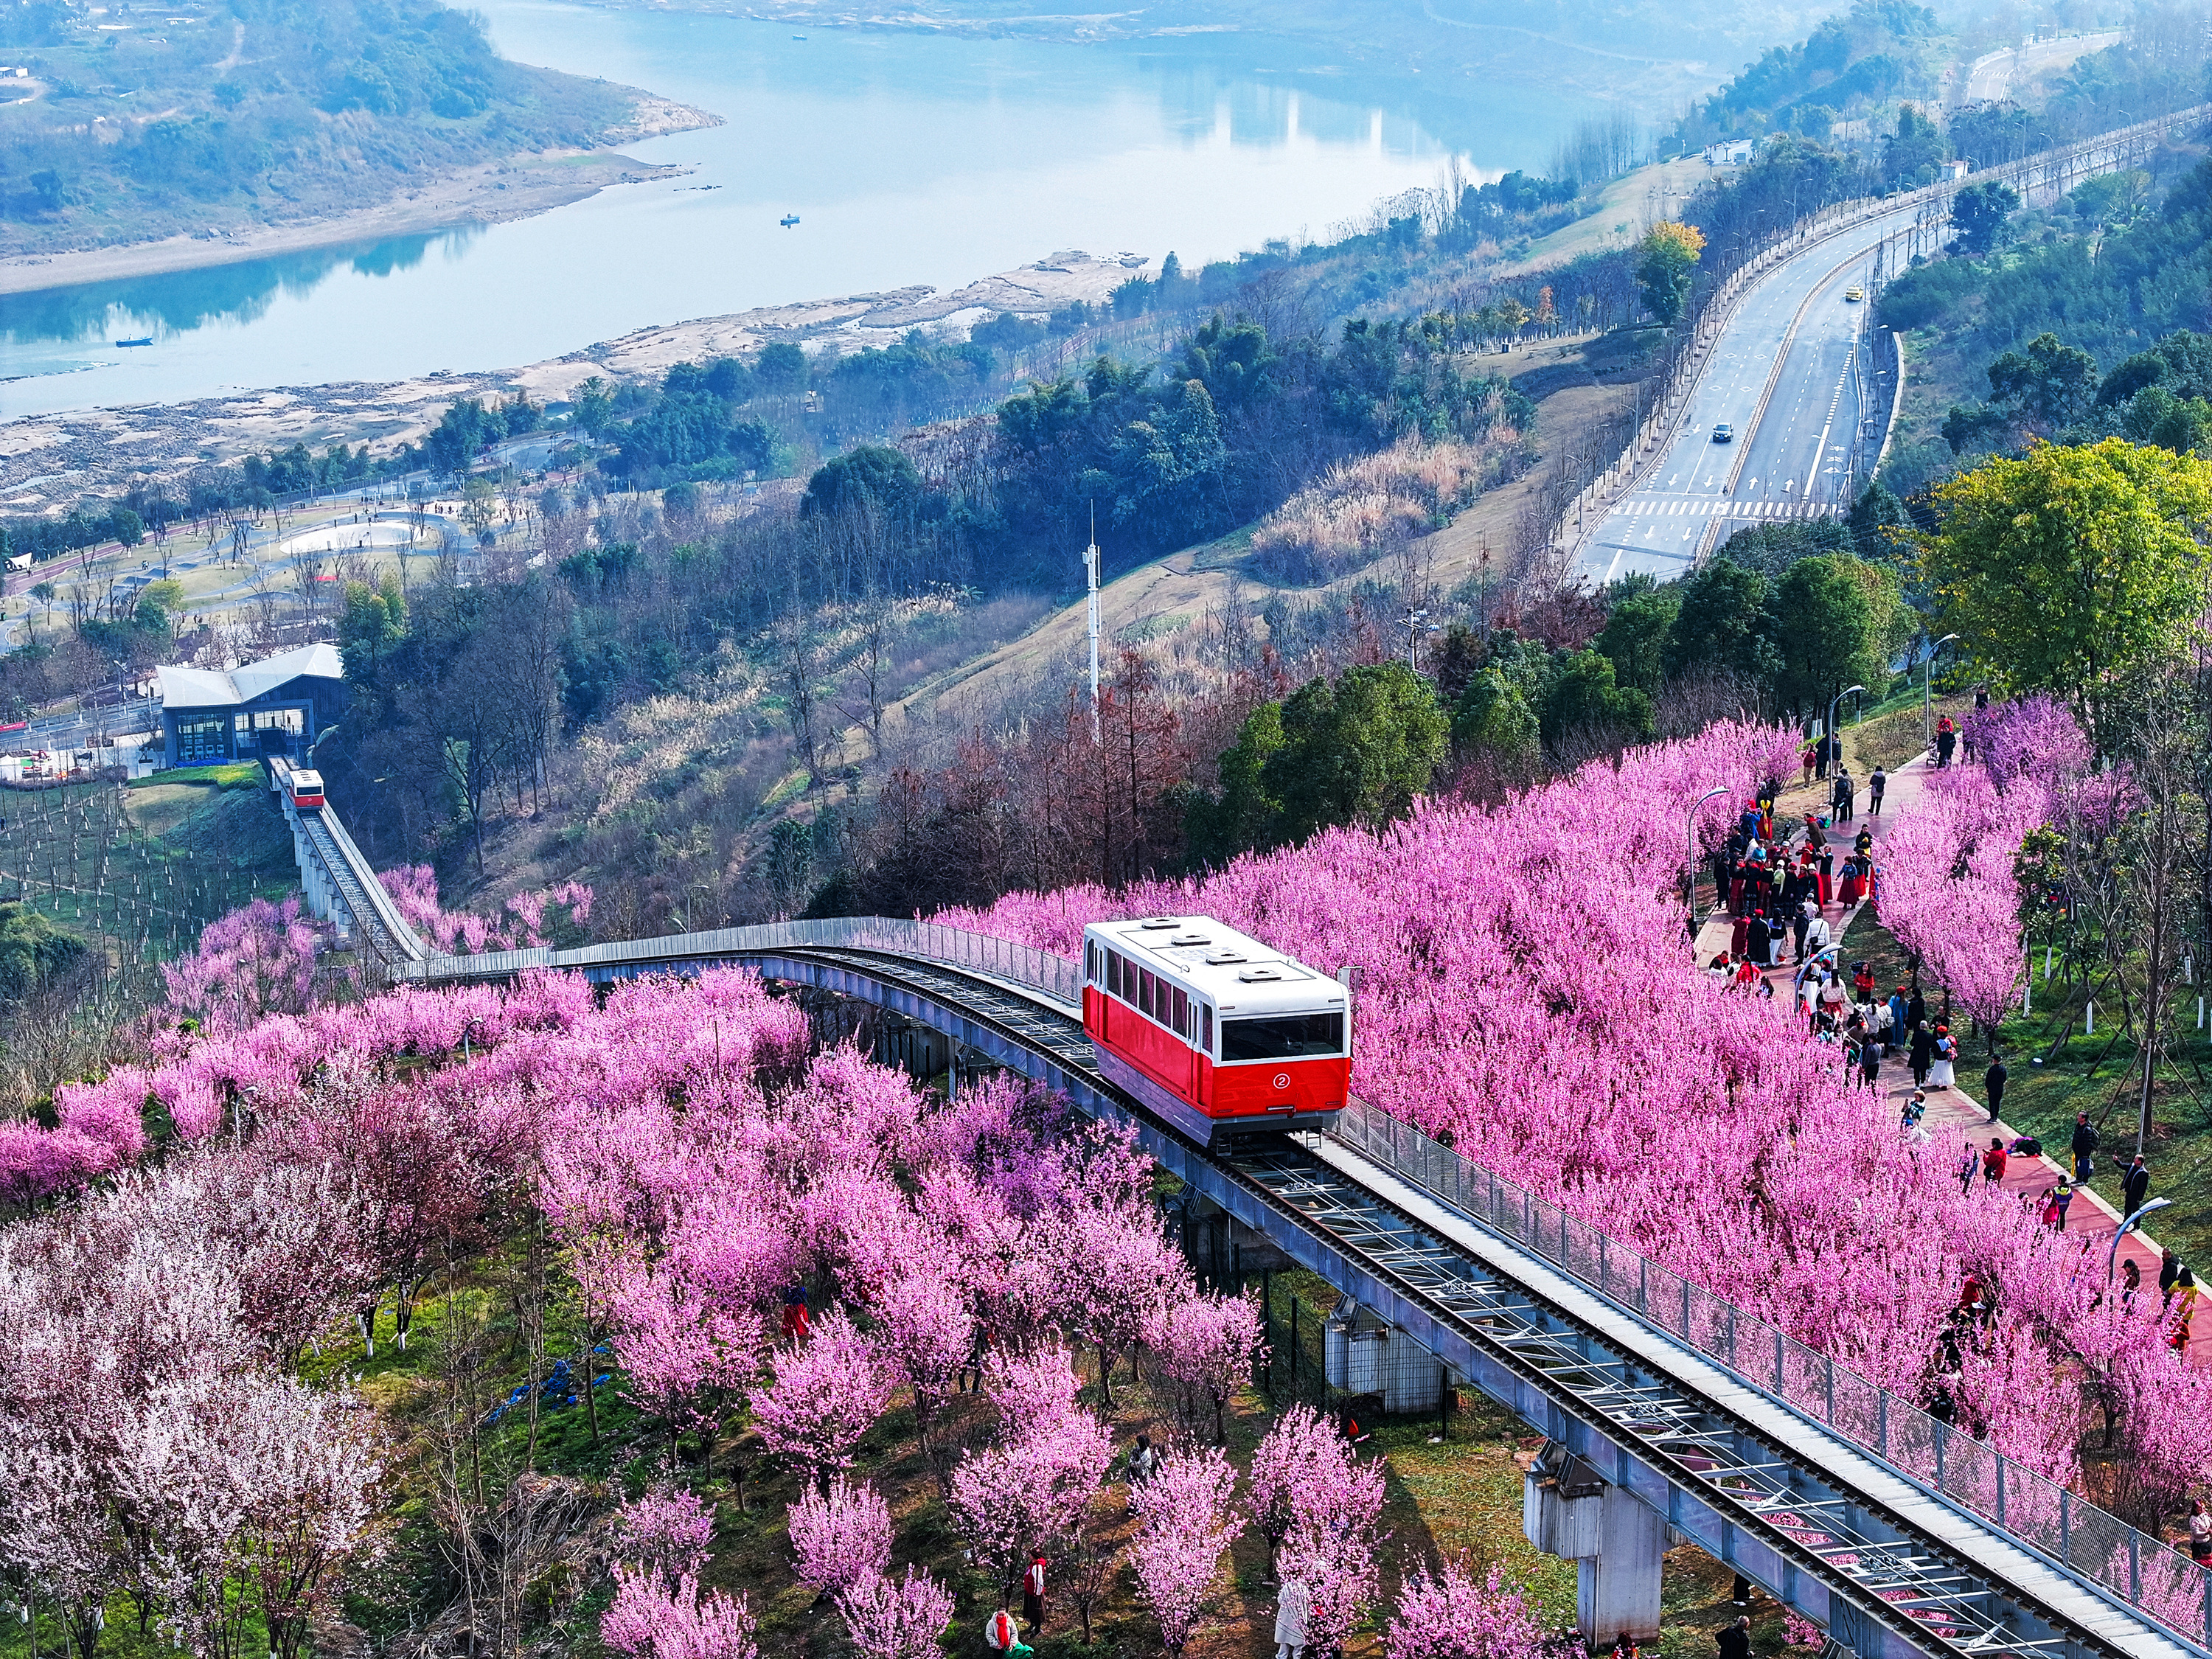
x=1286 y=1037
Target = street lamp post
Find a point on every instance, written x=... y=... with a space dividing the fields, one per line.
x=1690 y=843
x=1928 y=693
x=2112 y=1256
x=1835 y=745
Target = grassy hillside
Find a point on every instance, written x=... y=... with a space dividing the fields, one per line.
x=218 y=115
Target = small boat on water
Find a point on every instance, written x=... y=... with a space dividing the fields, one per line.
x=147 y=341
x=788 y=221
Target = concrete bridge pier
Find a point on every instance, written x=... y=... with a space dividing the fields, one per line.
x=322 y=899
x=1616 y=1541
x=1364 y=1355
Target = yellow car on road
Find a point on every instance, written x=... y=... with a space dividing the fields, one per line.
x=1854 y=294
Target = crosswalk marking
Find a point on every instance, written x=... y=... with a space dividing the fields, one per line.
x=1730 y=509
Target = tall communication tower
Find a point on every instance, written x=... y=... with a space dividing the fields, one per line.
x=1090 y=574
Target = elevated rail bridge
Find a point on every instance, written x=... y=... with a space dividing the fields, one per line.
x=1896 y=1533
x=340 y=886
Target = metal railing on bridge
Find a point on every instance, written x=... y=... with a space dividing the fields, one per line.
x=2069 y=1531
x=1021 y=965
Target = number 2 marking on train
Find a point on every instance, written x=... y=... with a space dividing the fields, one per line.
x=1282 y=1079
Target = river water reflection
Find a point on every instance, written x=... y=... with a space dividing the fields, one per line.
x=908 y=159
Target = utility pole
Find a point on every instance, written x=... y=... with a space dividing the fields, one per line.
x=1414 y=619
x=1486 y=587
x=1090 y=576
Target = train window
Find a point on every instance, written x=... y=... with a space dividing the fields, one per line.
x=1286 y=1037
x=1117 y=979
x=1146 y=987
x=1090 y=963
x=1183 y=1014
x=1206 y=1019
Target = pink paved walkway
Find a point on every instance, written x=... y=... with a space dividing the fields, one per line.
x=1953 y=1113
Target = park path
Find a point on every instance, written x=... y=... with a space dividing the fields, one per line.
x=1956 y=1115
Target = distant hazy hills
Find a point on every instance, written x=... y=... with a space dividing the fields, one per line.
x=1701 y=42
x=126 y=122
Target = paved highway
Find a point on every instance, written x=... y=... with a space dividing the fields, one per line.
x=1993 y=74
x=1790 y=374
x=1795 y=462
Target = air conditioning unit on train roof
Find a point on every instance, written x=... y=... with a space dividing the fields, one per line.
x=1260 y=973
x=1222 y=959
x=1153 y=924
x=1191 y=939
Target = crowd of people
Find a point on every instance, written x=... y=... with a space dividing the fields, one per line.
x=1778 y=882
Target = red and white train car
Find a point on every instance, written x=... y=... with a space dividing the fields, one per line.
x=306 y=790
x=1215 y=1031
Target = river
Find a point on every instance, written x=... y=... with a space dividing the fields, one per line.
x=907 y=158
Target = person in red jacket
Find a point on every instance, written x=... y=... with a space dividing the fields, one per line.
x=1033 y=1595
x=1993 y=1163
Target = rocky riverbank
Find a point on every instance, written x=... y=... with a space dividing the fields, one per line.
x=49 y=463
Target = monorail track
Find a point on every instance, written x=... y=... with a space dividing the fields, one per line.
x=1891 y=1567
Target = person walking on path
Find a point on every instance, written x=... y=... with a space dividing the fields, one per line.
x=1734 y=1640
x=1143 y=1462
x=2084 y=1148
x=1922 y=1053
x=1810 y=759
x=2135 y=1187
x=1993 y=1085
x=2055 y=1203
x=1943 y=1074
x=1033 y=1595
x=1993 y=1163
x=1946 y=741
x=1870 y=1060
x=1816 y=932
x=2200 y=1533
x=1841 y=796
x=1916 y=1011
x=1876 y=786
x=2169 y=1274
x=1970 y=1163
x=1893 y=1037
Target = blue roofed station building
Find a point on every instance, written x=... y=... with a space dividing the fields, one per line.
x=277 y=707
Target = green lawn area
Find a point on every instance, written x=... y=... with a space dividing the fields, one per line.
x=236 y=774
x=2056 y=1068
